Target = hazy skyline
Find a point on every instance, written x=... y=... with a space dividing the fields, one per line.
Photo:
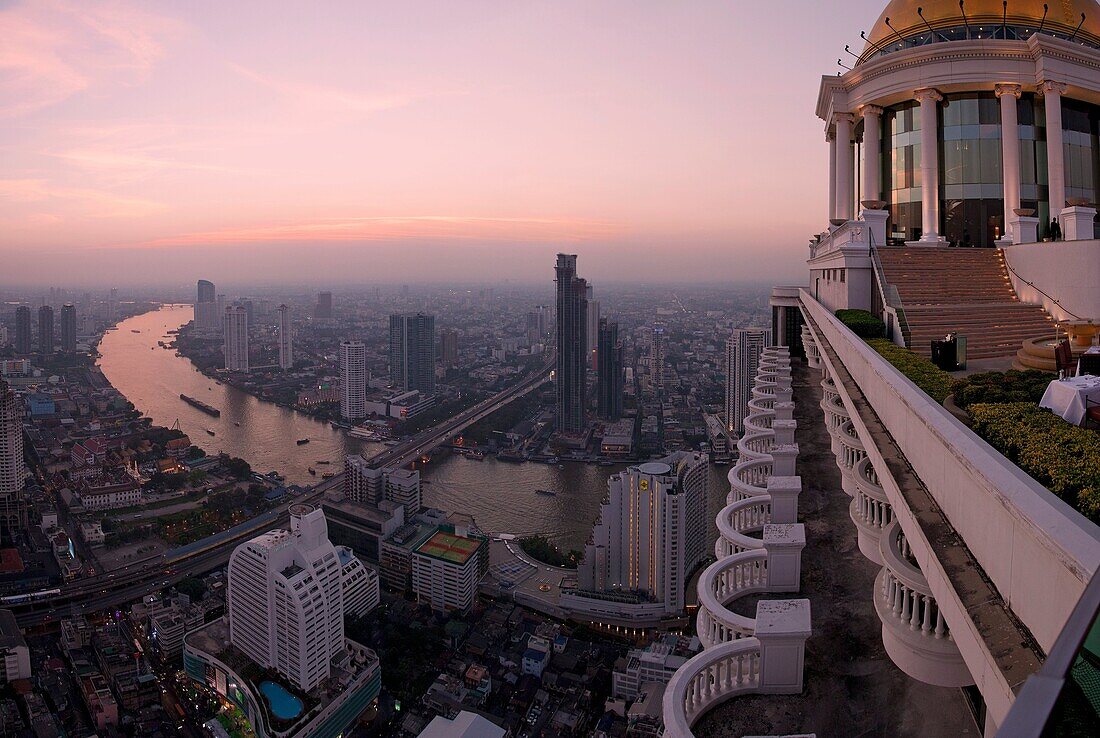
x=419 y=142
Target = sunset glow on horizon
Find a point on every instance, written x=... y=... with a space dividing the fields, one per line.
x=360 y=140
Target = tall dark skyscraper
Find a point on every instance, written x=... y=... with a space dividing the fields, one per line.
x=323 y=311
x=23 y=330
x=412 y=352
x=448 y=347
x=68 y=327
x=206 y=291
x=609 y=354
x=572 y=317
x=45 y=330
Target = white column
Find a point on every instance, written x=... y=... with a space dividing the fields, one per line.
x=1010 y=156
x=1056 y=160
x=830 y=137
x=872 y=143
x=929 y=164
x=844 y=160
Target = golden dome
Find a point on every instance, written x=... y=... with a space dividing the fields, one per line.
x=1062 y=17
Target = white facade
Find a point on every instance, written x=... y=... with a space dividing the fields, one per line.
x=286 y=339
x=15 y=657
x=353 y=379
x=360 y=583
x=12 y=470
x=446 y=584
x=366 y=484
x=285 y=599
x=743 y=351
x=110 y=498
x=651 y=533
x=235 y=339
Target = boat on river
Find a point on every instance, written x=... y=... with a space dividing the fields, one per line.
x=546 y=493
x=208 y=409
x=302 y=441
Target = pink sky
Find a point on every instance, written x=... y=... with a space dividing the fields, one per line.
x=412 y=141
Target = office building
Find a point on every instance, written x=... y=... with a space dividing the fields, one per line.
x=650 y=536
x=447 y=568
x=286 y=338
x=207 y=314
x=609 y=374
x=235 y=338
x=448 y=347
x=412 y=352
x=370 y=485
x=45 y=330
x=743 y=350
x=572 y=324
x=15 y=657
x=360 y=584
x=13 y=473
x=68 y=327
x=353 y=379
x=285 y=599
x=23 y=330
x=3 y=335
x=538 y=325
x=657 y=348
x=592 y=329
x=323 y=311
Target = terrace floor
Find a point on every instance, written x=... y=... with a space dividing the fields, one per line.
x=851 y=686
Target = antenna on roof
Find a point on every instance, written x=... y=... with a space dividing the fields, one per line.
x=962 y=9
x=839 y=63
x=850 y=51
x=1044 y=21
x=900 y=37
x=920 y=12
x=876 y=47
x=1004 y=19
x=1075 y=30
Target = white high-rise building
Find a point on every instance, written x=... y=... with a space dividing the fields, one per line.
x=13 y=472
x=367 y=484
x=651 y=533
x=286 y=339
x=353 y=379
x=207 y=313
x=285 y=600
x=360 y=584
x=235 y=338
x=743 y=351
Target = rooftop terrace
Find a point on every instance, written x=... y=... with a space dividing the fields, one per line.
x=449 y=547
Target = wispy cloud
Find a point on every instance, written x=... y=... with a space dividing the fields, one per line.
x=53 y=49
x=390 y=228
x=86 y=202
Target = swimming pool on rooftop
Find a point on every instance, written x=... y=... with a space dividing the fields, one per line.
x=284 y=705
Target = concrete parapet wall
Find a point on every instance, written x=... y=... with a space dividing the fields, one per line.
x=1068 y=271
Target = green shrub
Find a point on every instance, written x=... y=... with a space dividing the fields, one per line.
x=862 y=323
x=1001 y=387
x=934 y=381
x=1055 y=453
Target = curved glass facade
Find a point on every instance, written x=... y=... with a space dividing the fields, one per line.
x=901 y=183
x=969 y=32
x=971 y=183
x=1079 y=141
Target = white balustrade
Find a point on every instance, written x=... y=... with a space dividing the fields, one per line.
x=708 y=679
x=870 y=510
x=851 y=453
x=737 y=520
x=725 y=581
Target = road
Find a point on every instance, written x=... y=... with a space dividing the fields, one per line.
x=116 y=588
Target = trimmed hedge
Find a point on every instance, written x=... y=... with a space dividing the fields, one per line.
x=935 y=382
x=1058 y=455
x=862 y=323
x=1001 y=387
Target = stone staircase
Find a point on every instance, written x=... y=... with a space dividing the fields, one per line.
x=967 y=291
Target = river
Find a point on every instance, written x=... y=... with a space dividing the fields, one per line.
x=500 y=495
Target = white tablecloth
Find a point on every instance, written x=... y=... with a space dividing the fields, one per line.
x=1066 y=397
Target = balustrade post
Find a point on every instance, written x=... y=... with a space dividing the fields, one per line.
x=783 y=410
x=783 y=460
x=782 y=627
x=784 y=491
x=784 y=544
x=784 y=431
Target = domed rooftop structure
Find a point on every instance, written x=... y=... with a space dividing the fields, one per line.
x=901 y=26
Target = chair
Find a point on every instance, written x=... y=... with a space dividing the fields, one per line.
x=1090 y=364
x=1092 y=412
x=1063 y=359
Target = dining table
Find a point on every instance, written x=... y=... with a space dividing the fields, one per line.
x=1070 y=397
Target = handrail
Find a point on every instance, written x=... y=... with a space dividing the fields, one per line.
x=1041 y=292
x=888 y=292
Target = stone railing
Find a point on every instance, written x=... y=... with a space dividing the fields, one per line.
x=851 y=453
x=809 y=345
x=915 y=632
x=737 y=520
x=720 y=584
x=870 y=509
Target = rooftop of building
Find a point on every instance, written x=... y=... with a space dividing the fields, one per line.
x=10 y=634
x=450 y=547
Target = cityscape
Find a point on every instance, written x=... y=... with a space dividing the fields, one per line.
x=273 y=472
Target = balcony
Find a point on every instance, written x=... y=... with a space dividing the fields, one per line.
x=870 y=510
x=914 y=630
x=851 y=453
x=739 y=519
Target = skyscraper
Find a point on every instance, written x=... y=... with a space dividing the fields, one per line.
x=368 y=484
x=353 y=379
x=207 y=316
x=22 y=330
x=651 y=533
x=412 y=352
x=572 y=309
x=45 y=330
x=657 y=359
x=286 y=339
x=448 y=346
x=285 y=599
x=13 y=511
x=609 y=354
x=592 y=329
x=68 y=327
x=235 y=338
x=538 y=328
x=323 y=311
x=743 y=351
